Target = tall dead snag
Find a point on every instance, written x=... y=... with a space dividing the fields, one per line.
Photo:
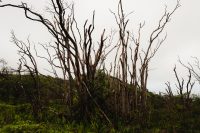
x=134 y=66
x=123 y=64
x=29 y=62
x=150 y=52
x=74 y=50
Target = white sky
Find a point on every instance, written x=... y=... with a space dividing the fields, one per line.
x=183 y=30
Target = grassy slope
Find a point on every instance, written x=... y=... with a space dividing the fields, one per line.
x=16 y=113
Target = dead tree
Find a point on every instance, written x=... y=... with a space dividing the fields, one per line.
x=185 y=97
x=150 y=52
x=29 y=62
x=193 y=68
x=123 y=57
x=169 y=96
x=79 y=62
x=138 y=69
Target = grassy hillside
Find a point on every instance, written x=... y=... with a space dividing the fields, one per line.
x=166 y=114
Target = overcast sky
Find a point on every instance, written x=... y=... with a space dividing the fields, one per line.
x=183 y=31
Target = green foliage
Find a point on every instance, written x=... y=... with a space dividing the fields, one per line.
x=7 y=114
x=11 y=114
x=56 y=116
x=23 y=127
x=101 y=90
